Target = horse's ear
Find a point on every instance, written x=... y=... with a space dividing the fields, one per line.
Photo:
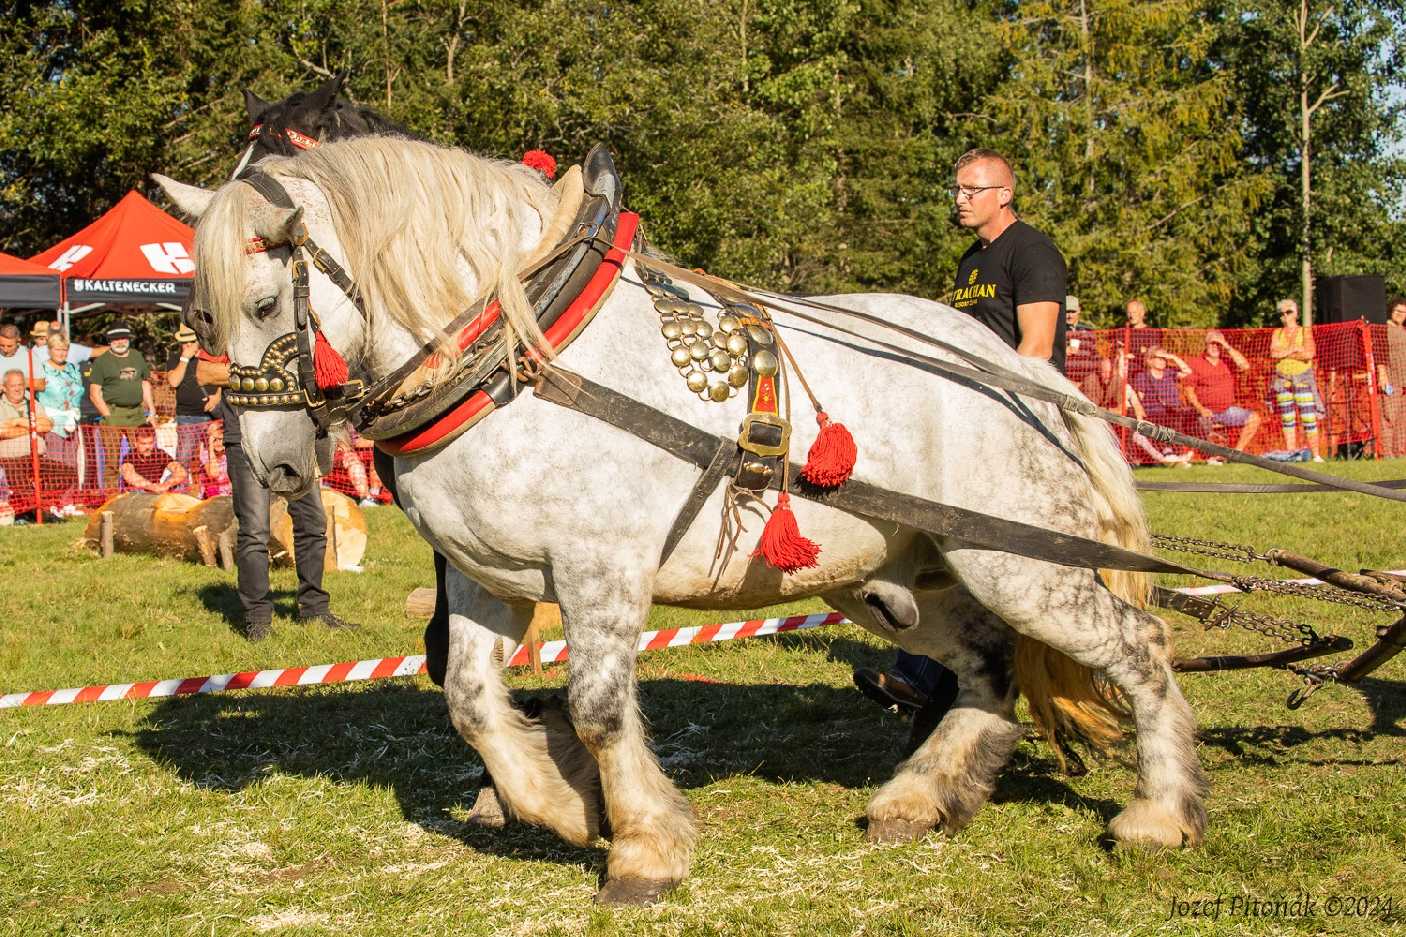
x=277 y=225
x=254 y=105
x=192 y=200
x=323 y=97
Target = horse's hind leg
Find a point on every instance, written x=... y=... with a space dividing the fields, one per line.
x=954 y=770
x=541 y=773
x=652 y=829
x=1069 y=610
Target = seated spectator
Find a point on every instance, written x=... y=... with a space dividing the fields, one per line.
x=150 y=468
x=1210 y=389
x=1165 y=457
x=56 y=480
x=1159 y=391
x=212 y=463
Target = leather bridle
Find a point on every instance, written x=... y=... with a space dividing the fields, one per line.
x=286 y=375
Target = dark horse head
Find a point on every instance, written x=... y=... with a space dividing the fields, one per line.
x=306 y=118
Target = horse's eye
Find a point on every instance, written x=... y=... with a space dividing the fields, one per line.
x=264 y=307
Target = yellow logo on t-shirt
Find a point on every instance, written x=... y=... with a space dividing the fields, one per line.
x=976 y=272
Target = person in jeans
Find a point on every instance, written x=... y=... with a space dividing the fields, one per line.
x=251 y=507
x=193 y=401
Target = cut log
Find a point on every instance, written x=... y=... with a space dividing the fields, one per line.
x=420 y=603
x=147 y=523
x=346 y=531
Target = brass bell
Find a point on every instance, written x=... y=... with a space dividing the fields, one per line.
x=247 y=384
x=688 y=326
x=706 y=364
x=292 y=382
x=720 y=360
x=718 y=392
x=738 y=376
x=698 y=351
x=728 y=323
x=704 y=330
x=276 y=385
x=759 y=335
x=261 y=384
x=697 y=381
x=690 y=308
x=720 y=338
x=764 y=363
x=736 y=345
x=680 y=357
x=667 y=307
x=671 y=330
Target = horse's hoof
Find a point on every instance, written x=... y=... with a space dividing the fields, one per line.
x=633 y=891
x=485 y=820
x=897 y=831
x=1144 y=824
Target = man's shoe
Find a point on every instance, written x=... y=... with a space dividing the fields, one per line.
x=889 y=690
x=330 y=620
x=256 y=629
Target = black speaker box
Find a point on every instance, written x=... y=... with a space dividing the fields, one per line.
x=1342 y=299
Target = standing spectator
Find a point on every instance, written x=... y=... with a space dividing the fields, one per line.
x=1080 y=353
x=77 y=351
x=62 y=393
x=194 y=402
x=1294 y=386
x=39 y=341
x=1391 y=376
x=1140 y=336
x=148 y=467
x=1013 y=280
x=120 y=388
x=1210 y=389
x=251 y=507
x=15 y=356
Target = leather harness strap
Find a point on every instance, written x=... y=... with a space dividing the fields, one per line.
x=971 y=528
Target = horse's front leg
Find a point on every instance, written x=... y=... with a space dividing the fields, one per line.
x=652 y=830
x=541 y=772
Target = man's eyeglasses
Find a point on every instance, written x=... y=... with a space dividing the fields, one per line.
x=970 y=191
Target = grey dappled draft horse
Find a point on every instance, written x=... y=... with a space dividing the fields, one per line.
x=541 y=503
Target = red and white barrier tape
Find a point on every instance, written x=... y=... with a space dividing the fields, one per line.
x=381 y=668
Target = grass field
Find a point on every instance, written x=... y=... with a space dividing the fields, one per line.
x=341 y=809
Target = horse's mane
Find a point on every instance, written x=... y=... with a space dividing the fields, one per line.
x=408 y=214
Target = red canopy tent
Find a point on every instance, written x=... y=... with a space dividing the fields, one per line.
x=136 y=254
x=25 y=285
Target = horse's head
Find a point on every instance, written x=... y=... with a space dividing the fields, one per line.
x=243 y=305
x=306 y=119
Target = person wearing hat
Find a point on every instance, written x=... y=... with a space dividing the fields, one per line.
x=39 y=342
x=194 y=401
x=120 y=388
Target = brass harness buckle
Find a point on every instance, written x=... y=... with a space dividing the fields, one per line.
x=765 y=434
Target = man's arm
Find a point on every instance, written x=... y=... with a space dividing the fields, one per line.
x=133 y=480
x=176 y=476
x=1196 y=405
x=148 y=406
x=95 y=392
x=212 y=373
x=1037 y=322
x=177 y=374
x=1241 y=363
x=1183 y=370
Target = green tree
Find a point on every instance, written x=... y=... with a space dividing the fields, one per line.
x=1124 y=135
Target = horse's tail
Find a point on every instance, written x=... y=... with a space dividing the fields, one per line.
x=1066 y=698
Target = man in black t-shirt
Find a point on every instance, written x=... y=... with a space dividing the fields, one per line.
x=194 y=402
x=1012 y=280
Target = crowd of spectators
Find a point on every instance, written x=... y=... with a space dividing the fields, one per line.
x=103 y=421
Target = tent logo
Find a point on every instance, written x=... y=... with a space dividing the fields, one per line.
x=70 y=257
x=168 y=257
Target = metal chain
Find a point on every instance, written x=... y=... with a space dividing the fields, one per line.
x=1319 y=593
x=1224 y=551
x=1269 y=626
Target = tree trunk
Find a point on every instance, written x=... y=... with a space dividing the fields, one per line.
x=346 y=531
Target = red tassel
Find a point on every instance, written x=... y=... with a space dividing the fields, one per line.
x=782 y=545
x=330 y=367
x=542 y=161
x=831 y=459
